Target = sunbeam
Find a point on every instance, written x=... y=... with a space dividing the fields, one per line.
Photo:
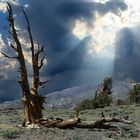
x=102 y=35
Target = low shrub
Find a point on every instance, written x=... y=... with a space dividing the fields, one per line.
x=10 y=133
x=123 y=102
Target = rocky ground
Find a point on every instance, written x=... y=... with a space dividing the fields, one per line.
x=11 y=118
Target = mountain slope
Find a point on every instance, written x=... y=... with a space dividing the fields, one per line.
x=68 y=98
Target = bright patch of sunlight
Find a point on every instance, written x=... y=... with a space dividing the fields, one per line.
x=104 y=29
x=102 y=35
x=3 y=6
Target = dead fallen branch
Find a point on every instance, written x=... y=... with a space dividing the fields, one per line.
x=103 y=123
x=59 y=123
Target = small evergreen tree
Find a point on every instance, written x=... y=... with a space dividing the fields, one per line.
x=134 y=95
x=103 y=96
x=107 y=85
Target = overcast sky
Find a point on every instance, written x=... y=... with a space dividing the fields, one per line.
x=85 y=41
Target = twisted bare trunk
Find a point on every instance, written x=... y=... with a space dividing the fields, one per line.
x=32 y=102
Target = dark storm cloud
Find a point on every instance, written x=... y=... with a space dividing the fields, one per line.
x=50 y=26
x=127 y=53
x=86 y=10
x=114 y=6
x=52 y=23
x=9 y=90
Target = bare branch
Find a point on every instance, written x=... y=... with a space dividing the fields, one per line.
x=23 y=70
x=29 y=31
x=43 y=83
x=13 y=47
x=10 y=32
x=10 y=57
x=20 y=82
x=9 y=9
x=27 y=20
x=40 y=50
x=41 y=62
x=13 y=30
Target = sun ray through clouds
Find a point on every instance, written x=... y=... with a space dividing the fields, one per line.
x=102 y=35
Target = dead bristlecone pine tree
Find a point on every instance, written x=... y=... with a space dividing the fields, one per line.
x=32 y=101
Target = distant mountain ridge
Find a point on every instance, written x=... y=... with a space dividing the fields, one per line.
x=70 y=97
